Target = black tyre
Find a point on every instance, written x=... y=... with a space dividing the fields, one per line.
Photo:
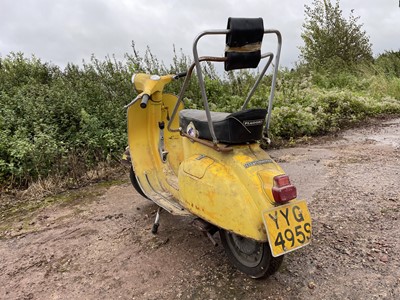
x=135 y=183
x=249 y=256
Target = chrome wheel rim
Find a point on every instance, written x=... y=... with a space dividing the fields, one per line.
x=247 y=251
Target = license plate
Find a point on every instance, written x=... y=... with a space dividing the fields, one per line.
x=288 y=227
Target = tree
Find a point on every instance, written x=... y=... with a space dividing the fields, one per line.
x=330 y=40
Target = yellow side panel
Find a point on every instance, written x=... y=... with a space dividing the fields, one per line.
x=219 y=198
x=231 y=193
x=197 y=165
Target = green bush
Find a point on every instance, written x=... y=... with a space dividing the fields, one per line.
x=389 y=63
x=59 y=123
x=65 y=122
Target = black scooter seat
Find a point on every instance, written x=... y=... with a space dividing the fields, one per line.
x=231 y=128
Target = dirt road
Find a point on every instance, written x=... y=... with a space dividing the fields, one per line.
x=95 y=243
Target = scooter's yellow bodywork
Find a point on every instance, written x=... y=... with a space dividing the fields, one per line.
x=227 y=189
x=212 y=168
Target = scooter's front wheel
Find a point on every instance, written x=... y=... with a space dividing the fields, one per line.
x=249 y=256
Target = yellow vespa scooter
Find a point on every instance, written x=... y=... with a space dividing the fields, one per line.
x=209 y=165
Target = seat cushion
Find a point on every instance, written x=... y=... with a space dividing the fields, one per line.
x=231 y=128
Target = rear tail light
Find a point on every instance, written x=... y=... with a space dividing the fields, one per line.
x=283 y=191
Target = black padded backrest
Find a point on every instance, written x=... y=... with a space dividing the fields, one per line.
x=243 y=43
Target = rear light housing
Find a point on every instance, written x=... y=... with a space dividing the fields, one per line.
x=283 y=191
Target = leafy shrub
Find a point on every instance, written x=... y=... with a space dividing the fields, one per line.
x=293 y=121
x=57 y=122
x=389 y=63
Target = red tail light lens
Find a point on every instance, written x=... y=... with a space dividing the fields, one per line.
x=283 y=191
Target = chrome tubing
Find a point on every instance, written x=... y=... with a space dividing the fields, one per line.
x=274 y=76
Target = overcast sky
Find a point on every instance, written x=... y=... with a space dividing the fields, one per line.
x=64 y=31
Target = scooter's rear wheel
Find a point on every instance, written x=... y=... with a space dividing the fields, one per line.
x=249 y=256
x=135 y=183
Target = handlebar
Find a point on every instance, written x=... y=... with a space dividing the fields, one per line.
x=145 y=99
x=180 y=75
x=150 y=86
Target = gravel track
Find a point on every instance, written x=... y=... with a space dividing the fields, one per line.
x=100 y=246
